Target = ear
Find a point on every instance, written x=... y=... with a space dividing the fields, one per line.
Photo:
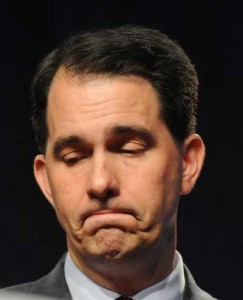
x=193 y=157
x=41 y=177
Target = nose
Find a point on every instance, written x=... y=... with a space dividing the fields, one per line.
x=102 y=183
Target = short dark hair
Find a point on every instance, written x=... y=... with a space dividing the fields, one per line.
x=124 y=50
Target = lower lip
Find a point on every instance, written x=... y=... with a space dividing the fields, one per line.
x=109 y=220
x=107 y=215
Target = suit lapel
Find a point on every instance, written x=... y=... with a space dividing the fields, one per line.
x=55 y=283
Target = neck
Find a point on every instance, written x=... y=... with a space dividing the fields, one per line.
x=147 y=267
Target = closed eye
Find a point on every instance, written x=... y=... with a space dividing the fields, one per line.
x=71 y=161
x=132 y=148
x=131 y=152
x=73 y=157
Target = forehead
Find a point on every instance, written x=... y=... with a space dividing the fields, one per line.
x=101 y=99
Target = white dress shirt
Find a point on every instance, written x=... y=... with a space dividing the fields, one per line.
x=82 y=287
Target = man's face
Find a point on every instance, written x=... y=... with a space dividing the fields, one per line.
x=112 y=170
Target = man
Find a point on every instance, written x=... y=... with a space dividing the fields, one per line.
x=114 y=112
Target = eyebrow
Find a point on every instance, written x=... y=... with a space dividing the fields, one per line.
x=74 y=140
x=64 y=142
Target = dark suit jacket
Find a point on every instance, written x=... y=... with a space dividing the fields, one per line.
x=54 y=285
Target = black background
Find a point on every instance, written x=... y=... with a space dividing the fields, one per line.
x=210 y=219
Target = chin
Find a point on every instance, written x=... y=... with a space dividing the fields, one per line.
x=111 y=244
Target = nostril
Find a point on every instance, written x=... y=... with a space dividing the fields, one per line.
x=110 y=194
x=106 y=195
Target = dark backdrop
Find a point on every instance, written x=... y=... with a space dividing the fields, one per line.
x=210 y=219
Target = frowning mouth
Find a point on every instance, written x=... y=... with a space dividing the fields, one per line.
x=109 y=218
x=107 y=212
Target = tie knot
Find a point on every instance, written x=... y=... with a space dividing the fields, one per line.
x=123 y=298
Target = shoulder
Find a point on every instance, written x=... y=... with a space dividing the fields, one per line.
x=51 y=285
x=192 y=290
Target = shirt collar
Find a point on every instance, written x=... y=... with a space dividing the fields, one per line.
x=82 y=287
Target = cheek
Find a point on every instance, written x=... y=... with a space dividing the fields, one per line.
x=66 y=185
x=155 y=190
x=68 y=196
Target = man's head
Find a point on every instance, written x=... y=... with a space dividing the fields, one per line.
x=126 y=50
x=120 y=148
